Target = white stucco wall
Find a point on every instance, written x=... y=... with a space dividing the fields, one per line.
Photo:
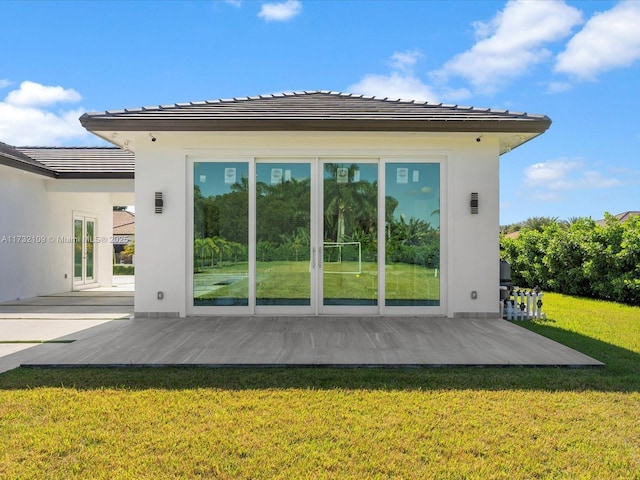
x=160 y=238
x=38 y=263
x=471 y=254
x=474 y=243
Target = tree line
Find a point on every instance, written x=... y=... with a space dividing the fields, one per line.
x=579 y=257
x=283 y=220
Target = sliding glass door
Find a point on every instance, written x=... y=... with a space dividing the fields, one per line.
x=221 y=234
x=412 y=234
x=283 y=234
x=319 y=235
x=350 y=234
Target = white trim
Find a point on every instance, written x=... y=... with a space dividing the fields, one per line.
x=279 y=309
x=191 y=309
x=378 y=157
x=340 y=309
x=440 y=310
x=83 y=282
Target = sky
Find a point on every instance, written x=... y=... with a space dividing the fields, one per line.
x=576 y=61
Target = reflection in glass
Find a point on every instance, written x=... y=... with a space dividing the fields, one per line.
x=88 y=242
x=283 y=250
x=412 y=234
x=350 y=271
x=77 y=249
x=221 y=235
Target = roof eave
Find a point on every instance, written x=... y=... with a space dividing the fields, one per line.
x=27 y=167
x=96 y=175
x=103 y=124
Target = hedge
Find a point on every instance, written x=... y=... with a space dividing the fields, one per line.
x=583 y=258
x=122 y=269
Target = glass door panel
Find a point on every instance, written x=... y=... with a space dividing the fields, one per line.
x=350 y=231
x=283 y=233
x=221 y=234
x=84 y=255
x=89 y=249
x=77 y=250
x=412 y=234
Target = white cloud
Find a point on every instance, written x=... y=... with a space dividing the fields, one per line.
x=559 y=87
x=280 y=12
x=235 y=3
x=454 y=94
x=549 y=179
x=32 y=94
x=609 y=40
x=25 y=120
x=395 y=85
x=4 y=83
x=405 y=61
x=401 y=83
x=511 y=43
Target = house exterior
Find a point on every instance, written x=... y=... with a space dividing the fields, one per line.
x=56 y=217
x=124 y=232
x=621 y=217
x=316 y=203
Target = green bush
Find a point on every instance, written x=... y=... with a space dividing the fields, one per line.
x=583 y=258
x=123 y=270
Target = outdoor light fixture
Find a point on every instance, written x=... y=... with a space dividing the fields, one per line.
x=153 y=139
x=473 y=204
x=479 y=138
x=159 y=202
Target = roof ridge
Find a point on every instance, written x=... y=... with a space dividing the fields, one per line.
x=302 y=93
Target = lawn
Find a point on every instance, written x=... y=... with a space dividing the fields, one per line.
x=511 y=423
x=291 y=280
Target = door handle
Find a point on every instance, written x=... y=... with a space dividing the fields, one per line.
x=313 y=257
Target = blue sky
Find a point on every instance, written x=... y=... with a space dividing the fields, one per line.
x=576 y=61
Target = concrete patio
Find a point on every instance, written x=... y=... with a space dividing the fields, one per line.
x=95 y=329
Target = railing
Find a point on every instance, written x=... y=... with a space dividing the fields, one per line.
x=522 y=304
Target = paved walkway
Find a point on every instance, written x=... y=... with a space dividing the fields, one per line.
x=266 y=341
x=38 y=325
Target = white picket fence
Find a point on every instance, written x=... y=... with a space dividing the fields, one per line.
x=524 y=305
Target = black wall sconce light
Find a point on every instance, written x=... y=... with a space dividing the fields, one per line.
x=159 y=202
x=473 y=204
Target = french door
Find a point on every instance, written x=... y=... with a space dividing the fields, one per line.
x=303 y=236
x=84 y=261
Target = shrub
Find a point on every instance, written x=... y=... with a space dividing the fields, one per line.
x=121 y=269
x=583 y=258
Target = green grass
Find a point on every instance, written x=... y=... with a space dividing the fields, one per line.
x=290 y=279
x=511 y=423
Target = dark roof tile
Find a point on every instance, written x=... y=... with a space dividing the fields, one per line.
x=316 y=110
x=83 y=162
x=13 y=157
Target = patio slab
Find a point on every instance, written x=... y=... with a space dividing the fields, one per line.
x=311 y=341
x=390 y=341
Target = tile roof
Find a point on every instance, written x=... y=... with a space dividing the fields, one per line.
x=314 y=111
x=124 y=223
x=70 y=162
x=12 y=157
x=82 y=162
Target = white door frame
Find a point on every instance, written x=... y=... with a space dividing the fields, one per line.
x=316 y=306
x=88 y=270
x=319 y=240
